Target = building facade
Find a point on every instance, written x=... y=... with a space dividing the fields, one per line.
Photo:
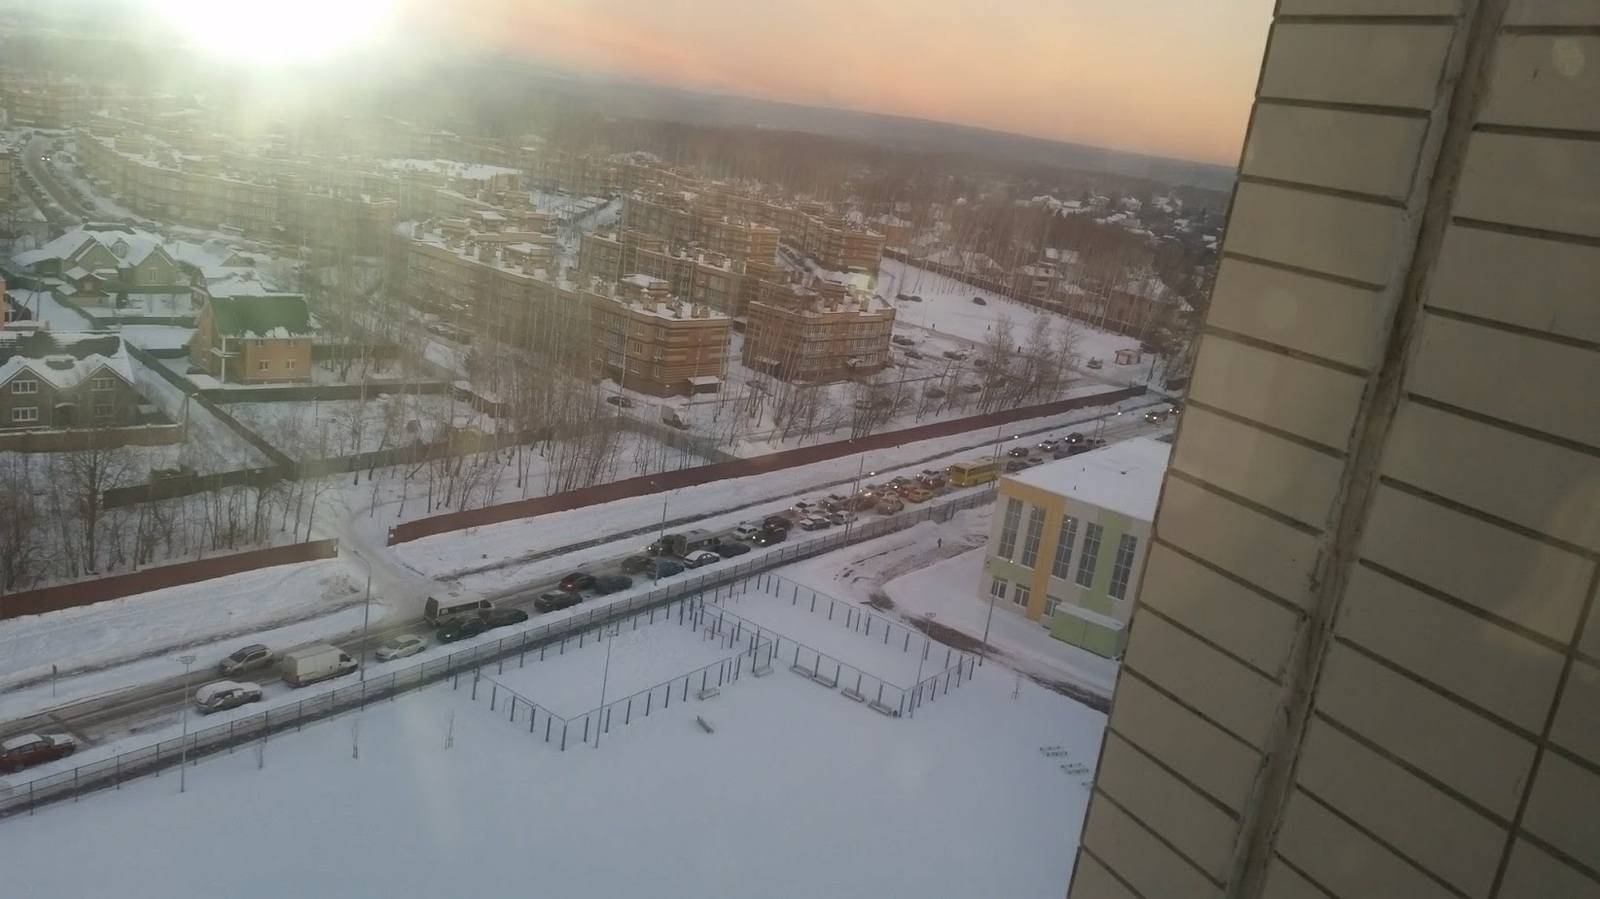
x=649 y=341
x=802 y=334
x=1069 y=539
x=260 y=339
x=1365 y=659
x=74 y=383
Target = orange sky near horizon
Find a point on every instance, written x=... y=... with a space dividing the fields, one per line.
x=1165 y=77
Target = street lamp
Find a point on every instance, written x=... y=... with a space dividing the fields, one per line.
x=985 y=654
x=183 y=758
x=927 y=642
x=661 y=537
x=366 y=612
x=603 y=678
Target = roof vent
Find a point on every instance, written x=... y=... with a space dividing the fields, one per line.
x=60 y=363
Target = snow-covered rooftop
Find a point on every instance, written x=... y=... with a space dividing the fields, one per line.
x=1124 y=477
x=136 y=244
x=465 y=170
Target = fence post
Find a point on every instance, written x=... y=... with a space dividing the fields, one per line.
x=494 y=693
x=585 y=728
x=533 y=716
x=627 y=716
x=475 y=676
x=830 y=612
x=563 y=736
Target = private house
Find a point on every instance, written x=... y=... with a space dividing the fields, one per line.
x=1069 y=541
x=100 y=259
x=64 y=381
x=254 y=337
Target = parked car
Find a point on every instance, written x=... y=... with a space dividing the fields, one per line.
x=461 y=627
x=733 y=548
x=577 y=580
x=836 y=500
x=935 y=393
x=1157 y=415
x=918 y=495
x=1018 y=452
x=634 y=564
x=32 y=749
x=612 y=583
x=980 y=301
x=842 y=517
x=914 y=298
x=957 y=355
x=400 y=647
x=932 y=481
x=747 y=530
x=247 y=658
x=503 y=617
x=661 y=567
x=913 y=354
x=803 y=508
x=701 y=557
x=1048 y=446
x=225 y=694
x=889 y=505
x=895 y=483
x=553 y=600
x=814 y=523
x=1015 y=465
x=768 y=538
x=776 y=523
x=972 y=388
x=902 y=340
x=980 y=362
x=1096 y=363
x=1074 y=437
x=620 y=401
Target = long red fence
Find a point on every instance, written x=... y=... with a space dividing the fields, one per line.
x=66 y=596
x=721 y=471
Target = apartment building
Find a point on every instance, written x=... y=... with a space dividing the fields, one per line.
x=650 y=341
x=702 y=277
x=751 y=228
x=55 y=380
x=1365 y=659
x=1069 y=539
x=819 y=333
x=478 y=272
x=44 y=102
x=7 y=154
x=254 y=338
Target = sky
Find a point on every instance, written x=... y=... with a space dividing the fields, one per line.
x=1167 y=77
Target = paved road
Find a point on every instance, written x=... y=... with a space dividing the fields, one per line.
x=42 y=175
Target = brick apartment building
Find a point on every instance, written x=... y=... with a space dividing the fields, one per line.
x=818 y=333
x=703 y=277
x=480 y=273
x=649 y=341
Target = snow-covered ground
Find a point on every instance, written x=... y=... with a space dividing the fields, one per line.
x=342 y=427
x=136 y=627
x=157 y=337
x=48 y=310
x=796 y=793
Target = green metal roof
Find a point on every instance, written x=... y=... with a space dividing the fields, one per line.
x=274 y=315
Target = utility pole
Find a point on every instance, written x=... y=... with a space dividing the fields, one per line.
x=366 y=614
x=604 y=677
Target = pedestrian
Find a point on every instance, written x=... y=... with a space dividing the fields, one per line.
x=941 y=543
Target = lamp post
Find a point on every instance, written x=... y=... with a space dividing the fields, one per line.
x=604 y=677
x=855 y=493
x=183 y=757
x=927 y=642
x=366 y=612
x=661 y=536
x=989 y=618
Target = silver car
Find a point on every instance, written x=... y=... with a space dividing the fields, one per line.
x=400 y=647
x=248 y=658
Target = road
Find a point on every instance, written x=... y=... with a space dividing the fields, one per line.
x=33 y=156
x=155 y=705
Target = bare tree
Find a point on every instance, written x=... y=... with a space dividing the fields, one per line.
x=24 y=550
x=80 y=479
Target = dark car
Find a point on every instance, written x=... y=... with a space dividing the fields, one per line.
x=1049 y=446
x=634 y=564
x=1074 y=437
x=1157 y=414
x=577 y=580
x=552 y=600
x=732 y=548
x=972 y=388
x=776 y=523
x=502 y=617
x=620 y=401
x=32 y=749
x=1015 y=465
x=913 y=354
x=461 y=627
x=903 y=340
x=769 y=537
x=932 y=481
x=1018 y=452
x=661 y=567
x=934 y=393
x=1074 y=449
x=611 y=583
x=980 y=301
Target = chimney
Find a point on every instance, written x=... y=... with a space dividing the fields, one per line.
x=485 y=252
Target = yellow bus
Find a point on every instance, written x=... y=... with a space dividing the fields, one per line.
x=970 y=474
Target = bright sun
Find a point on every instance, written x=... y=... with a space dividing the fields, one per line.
x=278 y=32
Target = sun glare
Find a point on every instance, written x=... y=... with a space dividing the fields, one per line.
x=279 y=32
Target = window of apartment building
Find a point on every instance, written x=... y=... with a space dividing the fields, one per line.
x=26 y=413
x=1089 y=555
x=103 y=385
x=1122 y=569
x=1021 y=595
x=1061 y=567
x=291 y=364
x=1051 y=603
x=102 y=410
x=258 y=343
x=290 y=343
x=264 y=365
x=1030 y=541
x=24 y=387
x=1008 y=529
x=997 y=588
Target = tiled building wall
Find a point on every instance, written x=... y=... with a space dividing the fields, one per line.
x=1365 y=661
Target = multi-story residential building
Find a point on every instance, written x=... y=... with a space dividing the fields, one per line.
x=254 y=338
x=1365 y=659
x=44 y=102
x=649 y=341
x=751 y=229
x=478 y=271
x=702 y=277
x=1069 y=539
x=56 y=380
x=7 y=153
x=819 y=333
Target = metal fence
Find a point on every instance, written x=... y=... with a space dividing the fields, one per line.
x=111 y=773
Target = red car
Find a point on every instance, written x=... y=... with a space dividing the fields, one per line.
x=31 y=749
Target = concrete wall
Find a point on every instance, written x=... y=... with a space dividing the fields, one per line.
x=1365 y=660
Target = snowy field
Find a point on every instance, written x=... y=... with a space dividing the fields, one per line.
x=341 y=427
x=796 y=793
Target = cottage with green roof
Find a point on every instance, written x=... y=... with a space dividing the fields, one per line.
x=254 y=338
